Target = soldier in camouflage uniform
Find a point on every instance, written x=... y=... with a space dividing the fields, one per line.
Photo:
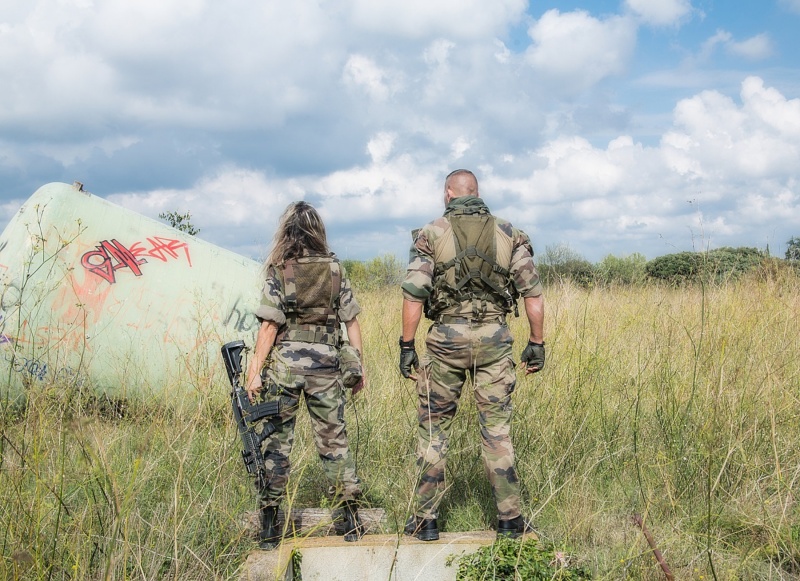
x=306 y=296
x=466 y=270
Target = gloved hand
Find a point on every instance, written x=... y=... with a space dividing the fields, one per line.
x=409 y=362
x=533 y=357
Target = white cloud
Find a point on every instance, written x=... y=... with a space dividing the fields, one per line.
x=380 y=146
x=579 y=50
x=660 y=12
x=757 y=47
x=362 y=71
x=461 y=19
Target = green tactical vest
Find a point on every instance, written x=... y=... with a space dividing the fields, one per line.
x=311 y=286
x=473 y=274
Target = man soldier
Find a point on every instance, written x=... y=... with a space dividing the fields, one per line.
x=466 y=270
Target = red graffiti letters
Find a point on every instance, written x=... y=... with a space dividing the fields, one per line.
x=162 y=249
x=110 y=256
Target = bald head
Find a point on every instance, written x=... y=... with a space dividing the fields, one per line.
x=460 y=183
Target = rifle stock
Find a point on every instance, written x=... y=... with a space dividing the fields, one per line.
x=247 y=415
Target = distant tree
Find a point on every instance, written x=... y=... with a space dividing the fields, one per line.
x=626 y=270
x=716 y=265
x=180 y=222
x=560 y=262
x=793 y=249
x=381 y=271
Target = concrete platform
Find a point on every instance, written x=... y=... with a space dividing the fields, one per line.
x=375 y=557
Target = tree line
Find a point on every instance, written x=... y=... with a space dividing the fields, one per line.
x=559 y=264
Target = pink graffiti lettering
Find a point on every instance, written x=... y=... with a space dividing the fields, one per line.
x=162 y=248
x=108 y=258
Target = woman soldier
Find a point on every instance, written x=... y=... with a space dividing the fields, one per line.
x=305 y=298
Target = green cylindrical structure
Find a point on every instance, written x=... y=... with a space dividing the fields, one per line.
x=96 y=295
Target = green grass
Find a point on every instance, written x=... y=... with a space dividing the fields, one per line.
x=682 y=405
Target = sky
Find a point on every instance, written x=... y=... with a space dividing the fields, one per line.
x=609 y=127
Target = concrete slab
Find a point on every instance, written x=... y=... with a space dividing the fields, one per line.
x=375 y=557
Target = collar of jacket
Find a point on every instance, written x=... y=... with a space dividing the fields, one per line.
x=466 y=205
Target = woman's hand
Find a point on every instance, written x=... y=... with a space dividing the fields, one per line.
x=253 y=387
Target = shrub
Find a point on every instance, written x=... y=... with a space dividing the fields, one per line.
x=626 y=270
x=560 y=262
x=716 y=265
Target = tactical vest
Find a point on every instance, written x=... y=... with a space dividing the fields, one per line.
x=311 y=287
x=473 y=274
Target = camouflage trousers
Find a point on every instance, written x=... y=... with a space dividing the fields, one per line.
x=455 y=351
x=325 y=399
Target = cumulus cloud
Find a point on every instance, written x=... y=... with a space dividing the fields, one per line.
x=755 y=48
x=232 y=110
x=579 y=50
x=660 y=12
x=725 y=170
x=362 y=72
x=460 y=19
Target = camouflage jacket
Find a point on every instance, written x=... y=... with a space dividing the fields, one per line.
x=433 y=243
x=300 y=356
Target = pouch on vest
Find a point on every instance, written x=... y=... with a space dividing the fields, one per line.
x=350 y=365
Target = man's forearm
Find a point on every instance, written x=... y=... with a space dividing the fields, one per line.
x=534 y=310
x=412 y=314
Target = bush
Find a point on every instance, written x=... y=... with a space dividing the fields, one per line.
x=716 y=265
x=627 y=270
x=793 y=250
x=560 y=262
x=382 y=271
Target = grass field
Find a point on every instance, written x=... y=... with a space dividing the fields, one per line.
x=679 y=405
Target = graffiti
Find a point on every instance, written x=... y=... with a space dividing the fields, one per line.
x=240 y=320
x=162 y=248
x=37 y=369
x=3 y=337
x=110 y=256
x=10 y=296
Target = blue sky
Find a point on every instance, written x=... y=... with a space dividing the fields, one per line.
x=650 y=126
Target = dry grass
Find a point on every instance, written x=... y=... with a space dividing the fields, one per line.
x=679 y=405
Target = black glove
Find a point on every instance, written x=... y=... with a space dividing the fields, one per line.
x=533 y=357
x=409 y=362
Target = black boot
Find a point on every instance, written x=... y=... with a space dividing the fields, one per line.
x=270 y=534
x=353 y=529
x=425 y=529
x=514 y=528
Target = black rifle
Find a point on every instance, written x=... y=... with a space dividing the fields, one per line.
x=247 y=415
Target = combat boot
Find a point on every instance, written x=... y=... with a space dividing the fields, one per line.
x=353 y=529
x=425 y=529
x=270 y=534
x=514 y=528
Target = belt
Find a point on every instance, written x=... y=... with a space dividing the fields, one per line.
x=454 y=320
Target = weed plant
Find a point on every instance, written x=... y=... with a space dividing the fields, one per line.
x=680 y=405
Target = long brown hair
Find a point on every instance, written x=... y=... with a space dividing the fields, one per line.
x=300 y=231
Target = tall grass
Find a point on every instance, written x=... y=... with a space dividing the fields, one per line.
x=681 y=405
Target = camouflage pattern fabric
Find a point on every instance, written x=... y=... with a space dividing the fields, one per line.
x=298 y=369
x=460 y=348
x=324 y=397
x=455 y=351
x=434 y=243
x=301 y=356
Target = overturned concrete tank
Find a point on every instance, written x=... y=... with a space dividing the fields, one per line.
x=97 y=296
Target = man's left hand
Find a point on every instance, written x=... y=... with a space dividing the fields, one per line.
x=533 y=357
